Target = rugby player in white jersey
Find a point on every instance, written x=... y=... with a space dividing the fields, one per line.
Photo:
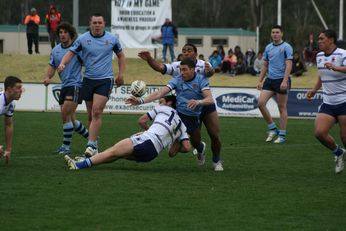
x=331 y=65
x=167 y=130
x=13 y=91
x=209 y=115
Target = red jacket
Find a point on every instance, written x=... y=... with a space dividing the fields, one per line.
x=52 y=19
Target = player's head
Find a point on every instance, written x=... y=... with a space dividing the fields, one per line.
x=276 y=33
x=65 y=31
x=189 y=51
x=187 y=69
x=97 y=24
x=13 y=87
x=169 y=100
x=327 y=39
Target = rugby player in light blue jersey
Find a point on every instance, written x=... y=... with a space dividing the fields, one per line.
x=71 y=82
x=166 y=130
x=193 y=93
x=97 y=47
x=277 y=65
x=209 y=115
x=331 y=65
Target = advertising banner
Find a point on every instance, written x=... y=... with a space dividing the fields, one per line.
x=138 y=22
x=299 y=106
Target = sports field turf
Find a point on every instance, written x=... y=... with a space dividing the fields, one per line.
x=264 y=186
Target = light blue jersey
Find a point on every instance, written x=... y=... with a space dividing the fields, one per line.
x=276 y=56
x=72 y=74
x=187 y=90
x=97 y=53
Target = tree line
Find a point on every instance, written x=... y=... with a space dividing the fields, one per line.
x=298 y=17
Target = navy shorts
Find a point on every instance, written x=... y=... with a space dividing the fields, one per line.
x=100 y=86
x=274 y=85
x=333 y=110
x=143 y=148
x=206 y=110
x=71 y=93
x=191 y=122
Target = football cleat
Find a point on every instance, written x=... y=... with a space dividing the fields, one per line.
x=71 y=164
x=201 y=156
x=271 y=135
x=218 y=166
x=339 y=162
x=79 y=158
x=90 y=151
x=280 y=140
x=63 y=151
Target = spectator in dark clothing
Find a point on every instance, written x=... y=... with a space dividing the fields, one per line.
x=53 y=18
x=250 y=57
x=240 y=67
x=239 y=53
x=310 y=50
x=168 y=34
x=298 y=66
x=32 y=21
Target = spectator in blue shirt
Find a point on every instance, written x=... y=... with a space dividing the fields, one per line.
x=215 y=60
x=168 y=33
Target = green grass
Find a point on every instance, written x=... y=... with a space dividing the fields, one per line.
x=32 y=68
x=264 y=186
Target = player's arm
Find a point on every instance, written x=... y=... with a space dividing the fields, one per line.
x=65 y=60
x=8 y=125
x=49 y=75
x=311 y=93
x=262 y=74
x=179 y=146
x=143 y=121
x=121 y=65
x=333 y=67
x=207 y=100
x=155 y=65
x=150 y=98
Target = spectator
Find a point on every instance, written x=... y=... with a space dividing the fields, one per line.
x=240 y=67
x=229 y=62
x=32 y=21
x=298 y=66
x=310 y=50
x=250 y=57
x=258 y=64
x=201 y=57
x=53 y=19
x=180 y=57
x=221 y=51
x=168 y=34
x=238 y=52
x=215 y=60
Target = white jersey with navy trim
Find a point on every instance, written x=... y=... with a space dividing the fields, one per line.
x=166 y=127
x=5 y=108
x=333 y=82
x=173 y=69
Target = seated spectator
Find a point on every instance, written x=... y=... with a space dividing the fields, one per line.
x=257 y=66
x=221 y=51
x=180 y=57
x=201 y=57
x=215 y=61
x=310 y=50
x=229 y=62
x=238 y=52
x=240 y=67
x=250 y=57
x=298 y=66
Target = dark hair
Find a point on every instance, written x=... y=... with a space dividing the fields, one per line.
x=69 y=28
x=191 y=45
x=330 y=34
x=277 y=27
x=189 y=62
x=11 y=81
x=171 y=98
x=97 y=15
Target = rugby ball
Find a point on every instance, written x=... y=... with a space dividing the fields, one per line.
x=138 y=88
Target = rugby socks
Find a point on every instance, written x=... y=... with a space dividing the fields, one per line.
x=272 y=127
x=68 y=130
x=338 y=151
x=216 y=159
x=79 y=127
x=282 y=133
x=92 y=143
x=86 y=163
x=200 y=148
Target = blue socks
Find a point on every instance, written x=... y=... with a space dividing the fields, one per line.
x=84 y=163
x=338 y=151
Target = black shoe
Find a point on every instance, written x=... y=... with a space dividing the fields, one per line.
x=37 y=52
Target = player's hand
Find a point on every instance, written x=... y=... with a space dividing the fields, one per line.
x=132 y=100
x=119 y=81
x=310 y=94
x=284 y=85
x=46 y=81
x=60 y=68
x=145 y=55
x=329 y=66
x=259 y=85
x=192 y=104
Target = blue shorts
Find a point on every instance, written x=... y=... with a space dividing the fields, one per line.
x=333 y=110
x=101 y=87
x=71 y=93
x=191 y=122
x=143 y=149
x=274 y=85
x=206 y=110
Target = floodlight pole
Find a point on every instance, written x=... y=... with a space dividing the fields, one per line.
x=319 y=14
x=341 y=19
x=279 y=12
x=76 y=14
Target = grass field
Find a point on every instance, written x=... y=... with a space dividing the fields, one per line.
x=33 y=68
x=264 y=186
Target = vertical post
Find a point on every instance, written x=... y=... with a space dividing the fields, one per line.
x=279 y=12
x=76 y=14
x=257 y=39
x=341 y=20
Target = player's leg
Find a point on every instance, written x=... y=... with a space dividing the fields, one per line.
x=282 y=106
x=78 y=125
x=265 y=95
